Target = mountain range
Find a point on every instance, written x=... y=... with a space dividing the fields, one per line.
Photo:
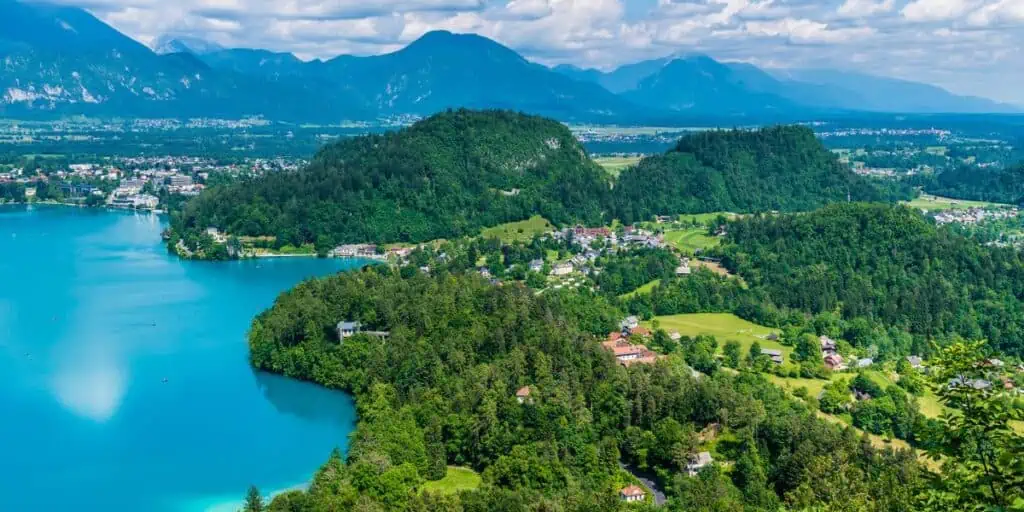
x=59 y=61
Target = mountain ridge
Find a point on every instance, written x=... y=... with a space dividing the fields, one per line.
x=812 y=88
x=58 y=60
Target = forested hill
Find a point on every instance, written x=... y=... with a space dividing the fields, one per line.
x=447 y=176
x=883 y=264
x=782 y=168
x=442 y=390
x=995 y=185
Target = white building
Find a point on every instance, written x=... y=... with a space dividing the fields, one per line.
x=562 y=269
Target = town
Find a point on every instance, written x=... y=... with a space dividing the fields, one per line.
x=138 y=183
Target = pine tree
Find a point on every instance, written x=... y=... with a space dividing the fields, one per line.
x=253 y=500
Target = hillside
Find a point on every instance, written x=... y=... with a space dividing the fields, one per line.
x=780 y=168
x=447 y=176
x=970 y=183
x=443 y=390
x=880 y=263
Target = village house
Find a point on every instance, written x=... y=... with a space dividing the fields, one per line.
x=347 y=329
x=626 y=353
x=523 y=395
x=915 y=362
x=865 y=362
x=536 y=265
x=977 y=384
x=834 y=362
x=562 y=269
x=354 y=251
x=216 y=235
x=630 y=322
x=684 y=267
x=643 y=332
x=828 y=345
x=180 y=180
x=632 y=494
x=698 y=462
x=591 y=232
x=774 y=355
x=400 y=252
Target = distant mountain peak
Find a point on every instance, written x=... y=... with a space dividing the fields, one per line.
x=444 y=38
x=184 y=44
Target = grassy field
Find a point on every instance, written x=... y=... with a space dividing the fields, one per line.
x=689 y=240
x=724 y=326
x=521 y=231
x=704 y=218
x=937 y=203
x=616 y=164
x=457 y=479
x=814 y=386
x=642 y=290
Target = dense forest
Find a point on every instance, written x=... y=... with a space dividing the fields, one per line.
x=781 y=168
x=884 y=265
x=998 y=185
x=447 y=176
x=442 y=388
x=457 y=172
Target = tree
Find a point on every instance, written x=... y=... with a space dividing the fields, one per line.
x=437 y=463
x=835 y=397
x=985 y=456
x=733 y=356
x=808 y=350
x=864 y=384
x=253 y=500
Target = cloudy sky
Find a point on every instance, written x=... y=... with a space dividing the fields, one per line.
x=967 y=46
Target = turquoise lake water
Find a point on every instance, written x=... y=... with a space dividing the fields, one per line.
x=94 y=316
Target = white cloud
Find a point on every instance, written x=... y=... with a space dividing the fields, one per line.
x=1002 y=11
x=865 y=8
x=938 y=10
x=806 y=31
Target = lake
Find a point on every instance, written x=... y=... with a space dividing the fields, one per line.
x=124 y=379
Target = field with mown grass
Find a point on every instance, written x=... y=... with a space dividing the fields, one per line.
x=522 y=231
x=616 y=164
x=457 y=479
x=645 y=289
x=724 y=327
x=689 y=240
x=937 y=203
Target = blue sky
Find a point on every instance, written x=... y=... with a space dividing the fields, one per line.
x=968 y=46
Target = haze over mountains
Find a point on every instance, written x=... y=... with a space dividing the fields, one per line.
x=62 y=60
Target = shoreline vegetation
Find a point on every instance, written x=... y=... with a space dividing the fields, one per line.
x=406 y=428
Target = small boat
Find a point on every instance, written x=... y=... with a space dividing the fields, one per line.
x=165 y=380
